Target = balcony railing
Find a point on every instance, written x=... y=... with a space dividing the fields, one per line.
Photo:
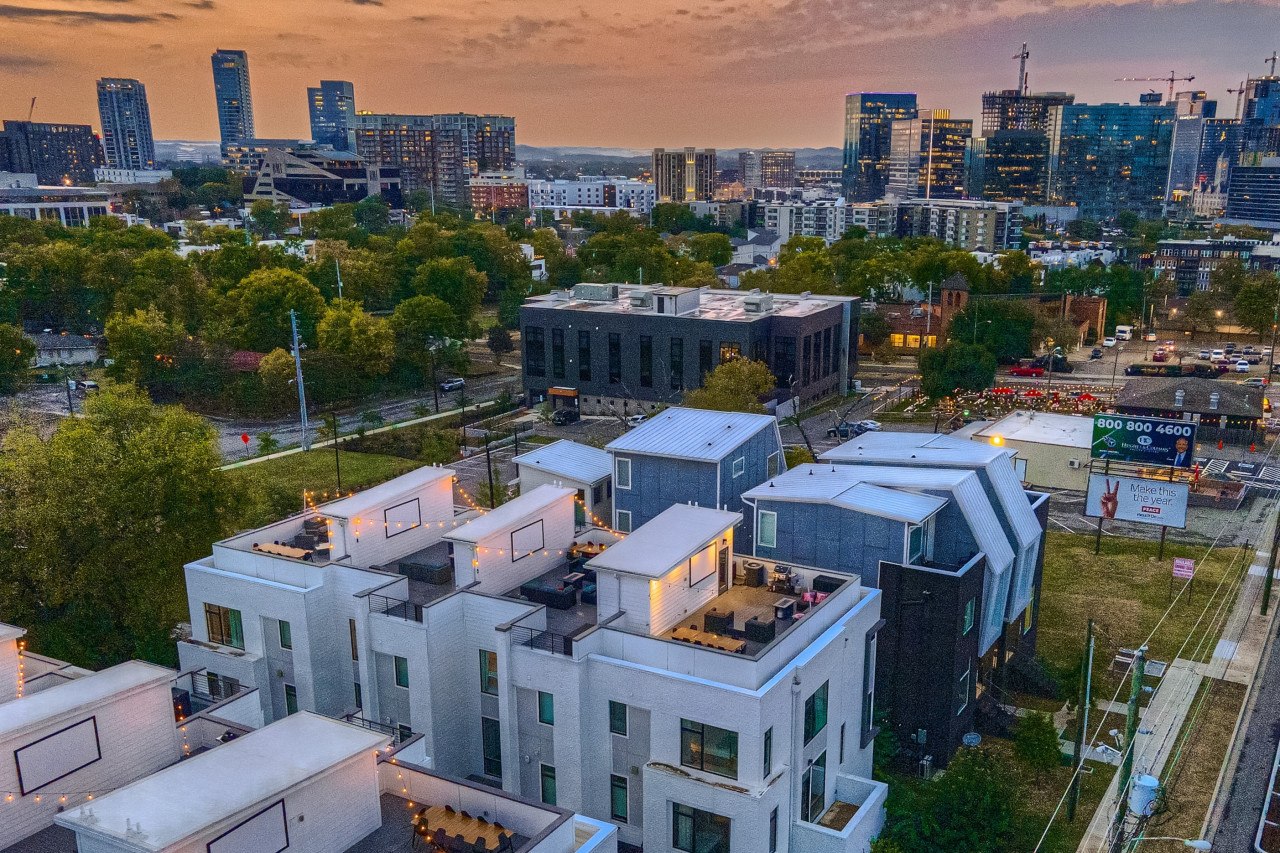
x=398 y=734
x=395 y=607
x=543 y=641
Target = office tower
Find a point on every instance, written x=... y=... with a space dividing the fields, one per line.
x=235 y=102
x=126 y=124
x=1261 y=101
x=1105 y=158
x=55 y=153
x=685 y=175
x=1195 y=104
x=1013 y=110
x=1184 y=155
x=772 y=169
x=868 y=117
x=437 y=153
x=1253 y=196
x=927 y=156
x=332 y=105
x=1009 y=165
x=1219 y=150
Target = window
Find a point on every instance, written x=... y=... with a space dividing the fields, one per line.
x=290 y=699
x=557 y=353
x=705 y=364
x=491 y=738
x=615 y=358
x=617 y=718
x=729 y=350
x=489 y=672
x=224 y=626
x=548 y=775
x=915 y=544
x=773 y=830
x=806 y=359
x=535 y=354
x=584 y=356
x=546 y=708
x=868 y=686
x=771 y=465
x=826 y=353
x=768 y=752
x=622 y=473
x=696 y=831
x=677 y=363
x=969 y=607
x=222 y=686
x=784 y=359
x=739 y=466
x=813 y=790
x=841 y=743
x=709 y=748
x=618 y=798
x=403 y=733
x=646 y=361
x=962 y=691
x=815 y=713
x=359 y=697
x=896 y=340
x=402 y=672
x=355 y=648
x=767 y=529
x=1028 y=615
x=624 y=521
x=286 y=635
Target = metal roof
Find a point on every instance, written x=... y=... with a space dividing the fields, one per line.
x=516 y=511
x=844 y=486
x=361 y=502
x=1041 y=428
x=673 y=536
x=697 y=434
x=571 y=460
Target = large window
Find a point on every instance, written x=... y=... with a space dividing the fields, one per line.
x=773 y=830
x=491 y=738
x=402 y=671
x=815 y=713
x=826 y=353
x=729 y=350
x=584 y=356
x=784 y=359
x=489 y=672
x=618 y=798
x=286 y=635
x=622 y=473
x=355 y=648
x=615 y=358
x=813 y=790
x=557 y=353
x=696 y=831
x=768 y=752
x=868 y=686
x=646 y=361
x=546 y=708
x=705 y=364
x=535 y=351
x=677 y=363
x=548 y=776
x=805 y=359
x=290 y=699
x=767 y=532
x=709 y=748
x=624 y=521
x=962 y=692
x=224 y=626
x=617 y=718
x=969 y=607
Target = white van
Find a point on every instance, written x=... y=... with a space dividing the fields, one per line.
x=1124 y=333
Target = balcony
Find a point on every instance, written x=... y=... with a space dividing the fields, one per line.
x=855 y=816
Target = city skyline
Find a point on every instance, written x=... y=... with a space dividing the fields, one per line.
x=582 y=74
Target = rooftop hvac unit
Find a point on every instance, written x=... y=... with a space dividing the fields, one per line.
x=757 y=303
x=641 y=300
x=595 y=292
x=1073 y=463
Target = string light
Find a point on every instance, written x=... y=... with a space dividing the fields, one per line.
x=22 y=664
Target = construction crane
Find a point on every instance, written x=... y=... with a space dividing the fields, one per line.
x=1272 y=59
x=1022 y=57
x=1239 y=93
x=1171 y=79
x=32 y=110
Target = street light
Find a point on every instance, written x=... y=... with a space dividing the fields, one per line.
x=1193 y=843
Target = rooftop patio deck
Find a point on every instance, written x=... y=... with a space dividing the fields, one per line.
x=396 y=834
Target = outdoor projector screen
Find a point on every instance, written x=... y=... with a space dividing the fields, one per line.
x=402 y=517
x=526 y=540
x=57 y=755
x=265 y=832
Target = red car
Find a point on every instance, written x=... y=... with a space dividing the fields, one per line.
x=1026 y=370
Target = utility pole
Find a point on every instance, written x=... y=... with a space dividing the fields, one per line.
x=297 y=366
x=1082 y=722
x=1130 y=732
x=337 y=460
x=338 y=273
x=488 y=464
x=66 y=376
x=1271 y=568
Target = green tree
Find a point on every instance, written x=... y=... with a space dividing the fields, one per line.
x=17 y=352
x=142 y=345
x=1004 y=326
x=269 y=220
x=1255 y=301
x=714 y=249
x=499 y=342
x=277 y=373
x=260 y=305
x=423 y=327
x=972 y=808
x=967 y=367
x=1203 y=311
x=368 y=342
x=797 y=455
x=734 y=386
x=455 y=281
x=98 y=521
x=1036 y=742
x=874 y=328
x=267 y=443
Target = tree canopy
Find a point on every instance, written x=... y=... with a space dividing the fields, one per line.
x=734 y=386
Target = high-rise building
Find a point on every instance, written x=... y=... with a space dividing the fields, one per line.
x=54 y=153
x=927 y=156
x=1105 y=158
x=126 y=124
x=767 y=169
x=1253 y=197
x=1009 y=165
x=1195 y=104
x=685 y=175
x=332 y=106
x=868 y=117
x=1012 y=110
x=1184 y=157
x=437 y=153
x=235 y=101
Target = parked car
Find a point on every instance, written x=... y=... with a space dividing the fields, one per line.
x=453 y=384
x=1026 y=370
x=1108 y=342
x=1230 y=347
x=1149 y=336
x=560 y=417
x=86 y=387
x=869 y=426
x=636 y=420
x=1254 y=382
x=1266 y=351
x=845 y=430
x=1205 y=355
x=1254 y=358
x=1060 y=364
x=1218 y=355
x=1159 y=355
x=1248 y=349
x=1097 y=353
x=1242 y=366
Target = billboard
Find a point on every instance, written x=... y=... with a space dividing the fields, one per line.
x=1134 y=499
x=1153 y=441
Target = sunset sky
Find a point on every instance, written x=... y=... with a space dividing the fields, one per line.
x=605 y=72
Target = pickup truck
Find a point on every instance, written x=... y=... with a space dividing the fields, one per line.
x=1026 y=370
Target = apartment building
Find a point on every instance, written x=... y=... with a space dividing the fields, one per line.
x=1190 y=264
x=307 y=176
x=629 y=678
x=965 y=224
x=592 y=194
x=685 y=175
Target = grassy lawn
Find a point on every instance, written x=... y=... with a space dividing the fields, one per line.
x=1126 y=592
x=1040 y=793
x=275 y=487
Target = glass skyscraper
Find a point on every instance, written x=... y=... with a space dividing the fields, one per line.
x=235 y=102
x=1105 y=158
x=126 y=124
x=332 y=106
x=868 y=120
x=927 y=156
